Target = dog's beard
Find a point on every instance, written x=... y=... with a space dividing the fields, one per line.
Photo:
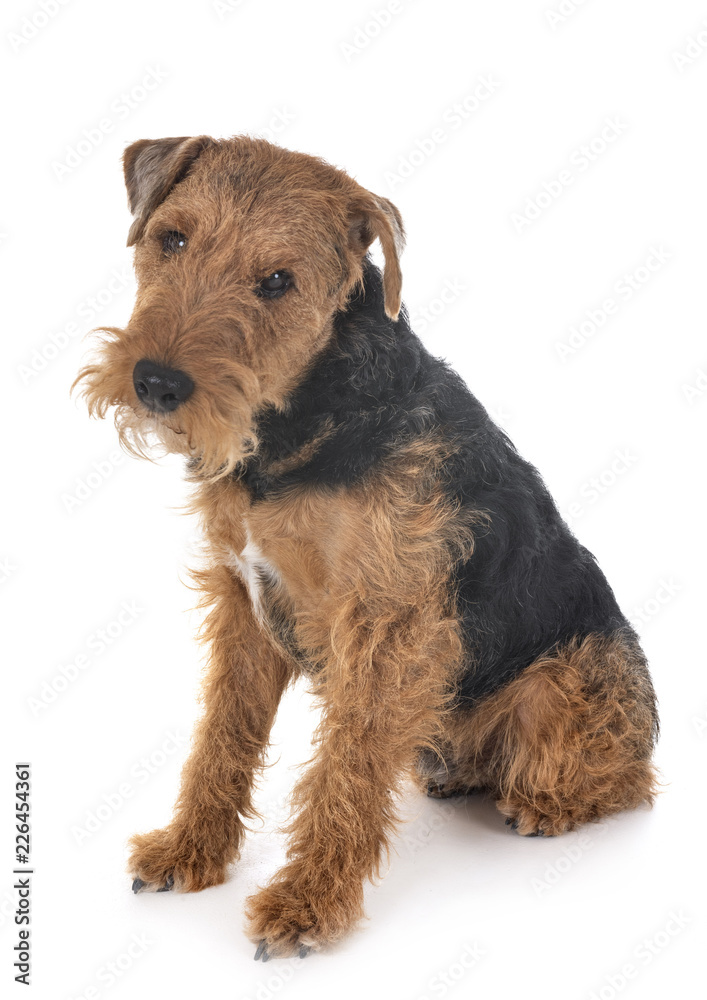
x=213 y=429
x=214 y=451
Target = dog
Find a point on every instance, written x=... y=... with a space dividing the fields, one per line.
x=368 y=527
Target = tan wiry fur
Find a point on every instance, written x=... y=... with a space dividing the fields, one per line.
x=568 y=741
x=207 y=321
x=364 y=573
x=350 y=586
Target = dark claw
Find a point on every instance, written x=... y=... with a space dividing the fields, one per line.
x=169 y=884
x=262 y=953
x=138 y=884
x=513 y=823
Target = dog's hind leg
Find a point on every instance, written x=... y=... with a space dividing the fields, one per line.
x=568 y=741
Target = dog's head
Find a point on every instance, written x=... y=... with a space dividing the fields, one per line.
x=243 y=253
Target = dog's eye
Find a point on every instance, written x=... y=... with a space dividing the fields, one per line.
x=173 y=241
x=274 y=285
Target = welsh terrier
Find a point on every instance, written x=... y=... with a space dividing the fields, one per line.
x=368 y=526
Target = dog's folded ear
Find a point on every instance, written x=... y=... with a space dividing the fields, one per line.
x=373 y=217
x=152 y=168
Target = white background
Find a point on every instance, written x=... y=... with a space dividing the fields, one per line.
x=574 y=917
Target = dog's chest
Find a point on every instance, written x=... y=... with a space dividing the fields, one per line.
x=283 y=565
x=257 y=572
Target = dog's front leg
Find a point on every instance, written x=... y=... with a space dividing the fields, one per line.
x=383 y=687
x=243 y=686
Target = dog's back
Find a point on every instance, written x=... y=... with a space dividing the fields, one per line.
x=529 y=585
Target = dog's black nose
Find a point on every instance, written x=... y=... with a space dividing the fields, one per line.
x=161 y=389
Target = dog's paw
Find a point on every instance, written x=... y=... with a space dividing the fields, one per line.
x=170 y=859
x=285 y=921
x=530 y=822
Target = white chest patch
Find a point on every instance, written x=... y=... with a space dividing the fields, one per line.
x=252 y=566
